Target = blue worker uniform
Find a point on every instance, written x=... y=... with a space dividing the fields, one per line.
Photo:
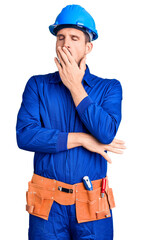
x=46 y=116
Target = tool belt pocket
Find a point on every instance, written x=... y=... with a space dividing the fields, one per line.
x=39 y=201
x=91 y=206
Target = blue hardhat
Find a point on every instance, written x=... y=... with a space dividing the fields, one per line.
x=77 y=17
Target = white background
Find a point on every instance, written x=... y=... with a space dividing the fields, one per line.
x=27 y=48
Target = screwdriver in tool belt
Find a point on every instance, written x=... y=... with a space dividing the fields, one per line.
x=103 y=187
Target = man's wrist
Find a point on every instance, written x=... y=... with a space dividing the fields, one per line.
x=74 y=139
x=78 y=94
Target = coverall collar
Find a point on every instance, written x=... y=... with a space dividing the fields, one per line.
x=87 y=77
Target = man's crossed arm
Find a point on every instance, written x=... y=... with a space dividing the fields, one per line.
x=92 y=144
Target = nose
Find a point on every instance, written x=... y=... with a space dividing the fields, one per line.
x=66 y=43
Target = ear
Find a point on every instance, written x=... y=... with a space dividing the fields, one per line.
x=89 y=47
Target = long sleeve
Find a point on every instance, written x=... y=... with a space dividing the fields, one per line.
x=31 y=136
x=103 y=120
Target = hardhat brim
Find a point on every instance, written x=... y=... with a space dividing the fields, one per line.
x=54 y=26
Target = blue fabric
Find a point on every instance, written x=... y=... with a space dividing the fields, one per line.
x=47 y=114
x=62 y=225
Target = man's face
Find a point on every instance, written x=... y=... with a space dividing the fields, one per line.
x=74 y=40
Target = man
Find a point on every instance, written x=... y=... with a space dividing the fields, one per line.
x=69 y=119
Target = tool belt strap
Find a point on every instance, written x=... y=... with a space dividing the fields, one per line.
x=89 y=204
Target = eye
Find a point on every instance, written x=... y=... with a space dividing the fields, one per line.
x=61 y=38
x=75 y=38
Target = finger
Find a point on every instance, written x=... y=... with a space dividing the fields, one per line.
x=105 y=155
x=58 y=64
x=116 y=145
x=118 y=141
x=60 y=58
x=69 y=56
x=114 y=150
x=63 y=56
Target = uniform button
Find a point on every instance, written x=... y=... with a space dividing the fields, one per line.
x=52 y=198
x=53 y=188
x=76 y=191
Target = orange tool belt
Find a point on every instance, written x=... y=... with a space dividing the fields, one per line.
x=89 y=205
